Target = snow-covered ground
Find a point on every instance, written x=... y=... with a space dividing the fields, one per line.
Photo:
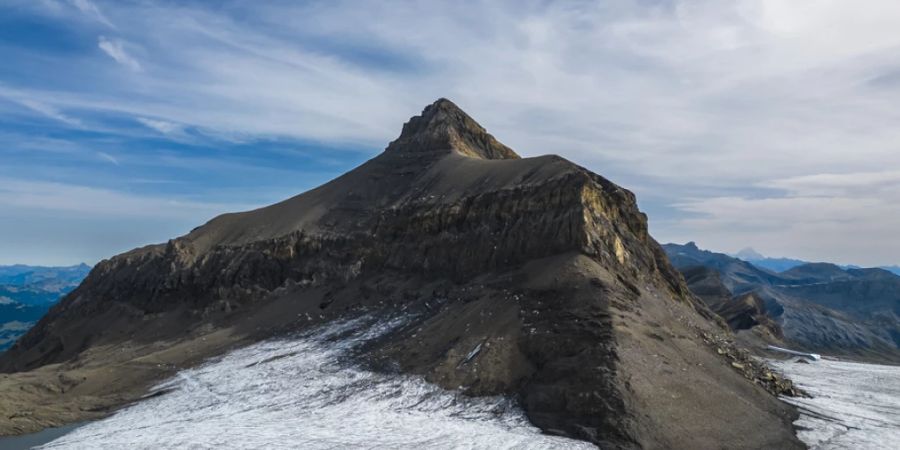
x=302 y=393
x=854 y=406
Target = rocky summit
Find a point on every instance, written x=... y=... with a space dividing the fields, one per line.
x=528 y=277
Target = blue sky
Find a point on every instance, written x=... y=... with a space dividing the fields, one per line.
x=737 y=123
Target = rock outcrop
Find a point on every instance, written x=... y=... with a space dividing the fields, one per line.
x=524 y=276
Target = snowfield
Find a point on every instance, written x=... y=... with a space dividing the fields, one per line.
x=303 y=393
x=854 y=406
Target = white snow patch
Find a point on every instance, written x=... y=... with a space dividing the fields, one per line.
x=853 y=406
x=304 y=393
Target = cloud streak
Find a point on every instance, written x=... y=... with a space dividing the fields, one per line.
x=90 y=9
x=116 y=50
x=726 y=118
x=160 y=126
x=108 y=157
x=87 y=201
x=37 y=106
x=60 y=222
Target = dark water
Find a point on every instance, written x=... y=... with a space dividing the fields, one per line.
x=36 y=439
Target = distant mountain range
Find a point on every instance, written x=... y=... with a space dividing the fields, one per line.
x=814 y=306
x=782 y=264
x=27 y=292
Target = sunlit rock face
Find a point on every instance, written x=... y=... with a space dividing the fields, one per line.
x=301 y=393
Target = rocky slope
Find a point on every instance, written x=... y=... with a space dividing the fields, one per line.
x=530 y=277
x=815 y=306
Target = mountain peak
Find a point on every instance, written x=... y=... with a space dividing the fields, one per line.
x=444 y=127
x=445 y=104
x=749 y=254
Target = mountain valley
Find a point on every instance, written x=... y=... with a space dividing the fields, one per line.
x=816 y=307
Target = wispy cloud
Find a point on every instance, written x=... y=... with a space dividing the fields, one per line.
x=116 y=50
x=37 y=106
x=161 y=126
x=89 y=8
x=696 y=105
x=87 y=201
x=838 y=229
x=48 y=111
x=852 y=184
x=108 y=157
x=55 y=223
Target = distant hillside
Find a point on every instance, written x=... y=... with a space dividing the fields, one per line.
x=51 y=279
x=28 y=292
x=893 y=269
x=764 y=262
x=782 y=264
x=815 y=306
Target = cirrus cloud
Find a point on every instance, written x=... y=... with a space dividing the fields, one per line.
x=738 y=123
x=115 y=48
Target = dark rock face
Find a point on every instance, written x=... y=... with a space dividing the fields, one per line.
x=443 y=126
x=741 y=312
x=817 y=306
x=532 y=277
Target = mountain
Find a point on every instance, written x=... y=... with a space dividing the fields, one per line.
x=27 y=292
x=748 y=254
x=764 y=262
x=47 y=279
x=892 y=269
x=527 y=277
x=818 y=307
x=738 y=276
x=783 y=264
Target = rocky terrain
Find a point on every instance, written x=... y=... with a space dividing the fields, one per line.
x=817 y=307
x=528 y=277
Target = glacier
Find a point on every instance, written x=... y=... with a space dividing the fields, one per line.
x=306 y=392
x=853 y=405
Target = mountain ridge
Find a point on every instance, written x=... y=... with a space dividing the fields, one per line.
x=819 y=307
x=782 y=264
x=542 y=271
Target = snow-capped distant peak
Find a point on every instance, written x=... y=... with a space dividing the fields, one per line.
x=748 y=254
